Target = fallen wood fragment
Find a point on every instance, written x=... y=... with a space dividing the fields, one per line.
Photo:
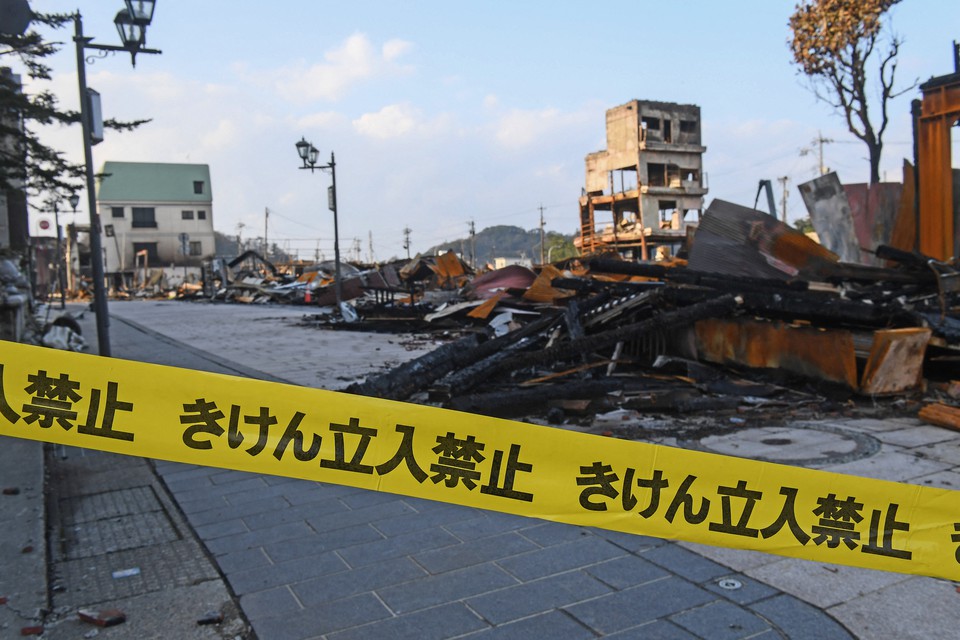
x=942 y=415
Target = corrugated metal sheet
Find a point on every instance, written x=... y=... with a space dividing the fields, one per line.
x=738 y=241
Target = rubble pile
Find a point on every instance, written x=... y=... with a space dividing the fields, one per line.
x=758 y=320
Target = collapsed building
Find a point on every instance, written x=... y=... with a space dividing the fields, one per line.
x=649 y=180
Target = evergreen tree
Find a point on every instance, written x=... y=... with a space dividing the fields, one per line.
x=26 y=163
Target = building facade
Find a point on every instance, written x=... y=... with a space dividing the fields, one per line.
x=156 y=213
x=648 y=182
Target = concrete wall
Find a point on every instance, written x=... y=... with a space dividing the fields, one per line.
x=170 y=224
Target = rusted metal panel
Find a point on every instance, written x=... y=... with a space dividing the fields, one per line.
x=895 y=363
x=940 y=108
x=873 y=209
x=738 y=241
x=816 y=353
x=904 y=234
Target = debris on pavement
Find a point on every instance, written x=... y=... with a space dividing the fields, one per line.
x=102 y=618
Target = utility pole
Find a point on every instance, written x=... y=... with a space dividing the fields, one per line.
x=406 y=240
x=266 y=245
x=356 y=249
x=240 y=227
x=541 y=233
x=370 y=245
x=473 y=245
x=783 y=203
x=818 y=142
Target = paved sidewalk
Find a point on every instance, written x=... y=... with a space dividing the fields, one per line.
x=310 y=560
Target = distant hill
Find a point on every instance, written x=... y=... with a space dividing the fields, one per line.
x=507 y=241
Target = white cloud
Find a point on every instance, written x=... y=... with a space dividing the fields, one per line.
x=222 y=136
x=393 y=49
x=521 y=128
x=490 y=101
x=355 y=61
x=391 y=121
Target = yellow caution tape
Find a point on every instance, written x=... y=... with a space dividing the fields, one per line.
x=263 y=427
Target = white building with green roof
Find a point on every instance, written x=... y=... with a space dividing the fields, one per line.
x=161 y=210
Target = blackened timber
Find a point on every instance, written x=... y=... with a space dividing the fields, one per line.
x=518 y=402
x=716 y=308
x=403 y=381
x=478 y=357
x=682 y=275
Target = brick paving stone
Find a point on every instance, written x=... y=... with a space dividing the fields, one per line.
x=414 y=521
x=552 y=533
x=259 y=538
x=721 y=621
x=539 y=596
x=474 y=552
x=243 y=560
x=220 y=529
x=323 y=618
x=353 y=517
x=554 y=624
x=223 y=511
x=351 y=582
x=750 y=590
x=447 y=587
x=269 y=603
x=488 y=524
x=361 y=555
x=362 y=499
x=320 y=542
x=564 y=557
x=797 y=620
x=632 y=607
x=685 y=563
x=275 y=575
x=626 y=571
x=629 y=541
x=442 y=622
x=283 y=512
x=656 y=630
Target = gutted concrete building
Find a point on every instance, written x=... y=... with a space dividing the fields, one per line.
x=646 y=188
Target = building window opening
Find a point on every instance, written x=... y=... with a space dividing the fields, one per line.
x=144 y=217
x=198 y=186
x=186 y=215
x=667 y=131
x=688 y=126
x=656 y=174
x=667 y=209
x=116 y=212
x=196 y=248
x=201 y=215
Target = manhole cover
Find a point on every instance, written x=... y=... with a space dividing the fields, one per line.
x=802 y=444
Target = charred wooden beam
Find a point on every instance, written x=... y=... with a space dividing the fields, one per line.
x=517 y=402
x=716 y=308
x=682 y=275
x=401 y=382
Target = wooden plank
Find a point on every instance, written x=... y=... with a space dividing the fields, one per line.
x=895 y=363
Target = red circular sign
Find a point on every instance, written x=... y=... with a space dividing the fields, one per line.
x=44 y=224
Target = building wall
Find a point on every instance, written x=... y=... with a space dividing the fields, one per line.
x=661 y=142
x=170 y=223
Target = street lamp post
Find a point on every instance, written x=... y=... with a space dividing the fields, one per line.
x=131 y=24
x=308 y=154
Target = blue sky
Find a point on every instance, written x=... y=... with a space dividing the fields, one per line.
x=445 y=112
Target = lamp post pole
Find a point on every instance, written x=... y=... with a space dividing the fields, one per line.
x=96 y=256
x=332 y=204
x=308 y=153
x=60 y=276
x=132 y=21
